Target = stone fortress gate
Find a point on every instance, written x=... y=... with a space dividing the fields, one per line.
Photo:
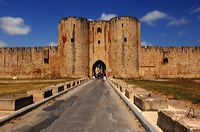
x=87 y=48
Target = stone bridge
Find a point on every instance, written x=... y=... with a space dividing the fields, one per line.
x=93 y=106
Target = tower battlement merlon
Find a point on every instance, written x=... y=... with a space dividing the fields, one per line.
x=171 y=48
x=24 y=49
x=73 y=17
x=85 y=19
x=124 y=17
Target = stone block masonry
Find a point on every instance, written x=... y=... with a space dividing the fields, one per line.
x=178 y=121
x=15 y=102
x=115 y=44
x=150 y=102
x=169 y=62
x=40 y=94
x=32 y=62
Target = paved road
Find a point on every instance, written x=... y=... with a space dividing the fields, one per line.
x=94 y=107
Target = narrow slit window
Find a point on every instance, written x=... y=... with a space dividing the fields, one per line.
x=72 y=40
x=99 y=42
x=46 y=57
x=46 y=61
x=165 y=61
x=125 y=39
x=99 y=30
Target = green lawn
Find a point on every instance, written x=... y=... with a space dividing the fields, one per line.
x=176 y=89
x=21 y=86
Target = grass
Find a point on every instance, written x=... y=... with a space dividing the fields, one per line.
x=22 y=86
x=176 y=89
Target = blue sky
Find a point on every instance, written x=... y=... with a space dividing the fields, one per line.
x=163 y=22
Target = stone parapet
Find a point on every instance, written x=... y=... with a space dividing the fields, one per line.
x=178 y=121
x=15 y=102
x=150 y=102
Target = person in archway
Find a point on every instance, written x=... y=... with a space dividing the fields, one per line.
x=104 y=76
x=99 y=75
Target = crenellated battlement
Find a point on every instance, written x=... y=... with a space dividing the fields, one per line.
x=124 y=18
x=171 y=48
x=86 y=20
x=27 y=49
x=73 y=17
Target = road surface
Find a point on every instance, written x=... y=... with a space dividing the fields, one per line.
x=92 y=107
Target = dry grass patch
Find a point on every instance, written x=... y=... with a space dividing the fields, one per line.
x=22 y=86
x=176 y=89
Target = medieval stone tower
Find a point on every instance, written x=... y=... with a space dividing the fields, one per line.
x=73 y=46
x=114 y=44
x=87 y=48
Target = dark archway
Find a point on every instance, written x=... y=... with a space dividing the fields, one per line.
x=99 y=69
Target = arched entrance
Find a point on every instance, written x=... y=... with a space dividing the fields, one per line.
x=99 y=69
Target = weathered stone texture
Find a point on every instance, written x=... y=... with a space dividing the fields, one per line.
x=178 y=121
x=116 y=43
x=15 y=101
x=150 y=103
x=183 y=62
x=73 y=47
x=124 y=47
x=28 y=62
x=99 y=43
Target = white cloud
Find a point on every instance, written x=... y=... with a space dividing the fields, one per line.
x=52 y=44
x=181 y=33
x=153 y=16
x=177 y=22
x=145 y=43
x=14 y=26
x=196 y=10
x=105 y=16
x=2 y=44
x=90 y=20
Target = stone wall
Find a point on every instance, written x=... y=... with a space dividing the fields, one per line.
x=29 y=62
x=169 y=62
